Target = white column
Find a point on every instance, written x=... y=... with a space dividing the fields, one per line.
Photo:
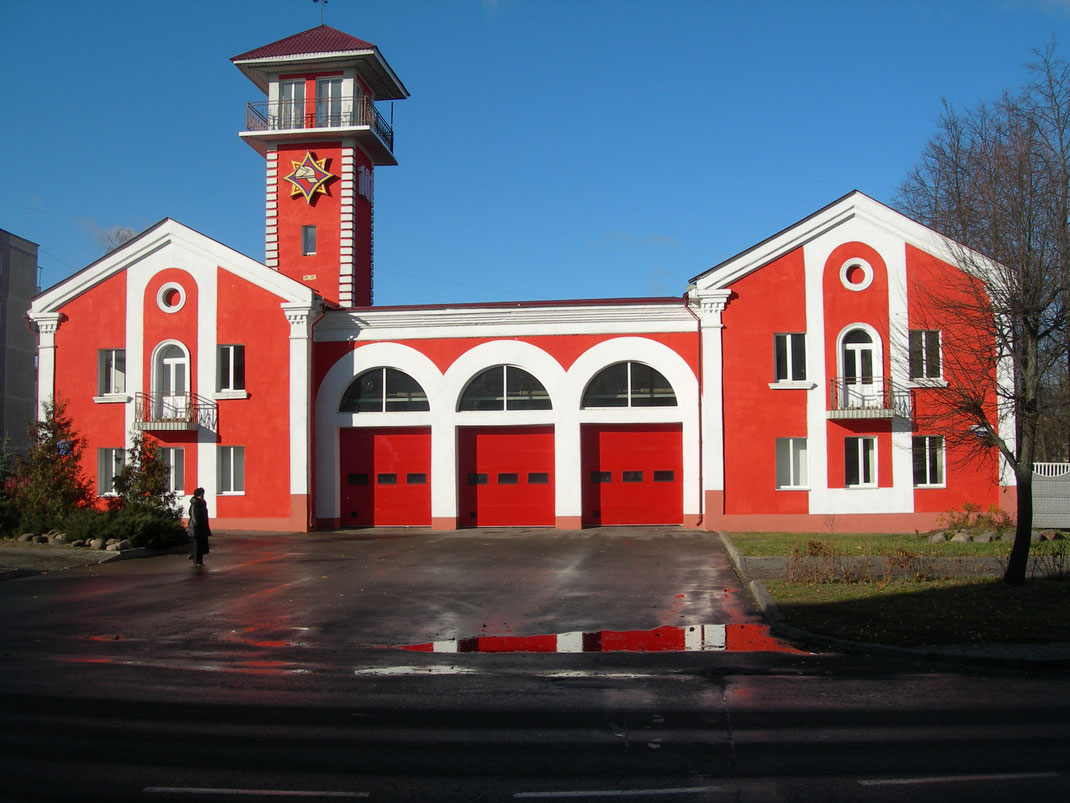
x=711 y=304
x=300 y=319
x=47 y=325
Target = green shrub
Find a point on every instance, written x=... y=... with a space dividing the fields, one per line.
x=85 y=524
x=152 y=529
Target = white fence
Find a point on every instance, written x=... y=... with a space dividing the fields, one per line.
x=1051 y=495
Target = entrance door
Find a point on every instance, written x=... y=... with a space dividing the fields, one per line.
x=328 y=102
x=171 y=383
x=860 y=386
x=506 y=476
x=385 y=477
x=632 y=474
x=291 y=104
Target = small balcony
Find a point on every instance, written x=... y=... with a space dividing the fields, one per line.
x=274 y=120
x=157 y=412
x=868 y=397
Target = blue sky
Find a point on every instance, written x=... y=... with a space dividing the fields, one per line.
x=550 y=148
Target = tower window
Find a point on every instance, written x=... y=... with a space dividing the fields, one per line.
x=308 y=240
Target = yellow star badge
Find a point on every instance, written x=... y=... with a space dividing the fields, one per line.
x=308 y=177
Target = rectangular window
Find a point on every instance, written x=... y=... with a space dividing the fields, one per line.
x=477 y=479
x=358 y=479
x=509 y=478
x=416 y=479
x=631 y=476
x=860 y=462
x=539 y=478
x=109 y=463
x=386 y=479
x=928 y=461
x=111 y=371
x=231 y=469
x=231 y=368
x=925 y=354
x=308 y=241
x=790 y=357
x=291 y=104
x=175 y=460
x=791 y=463
x=599 y=477
x=664 y=476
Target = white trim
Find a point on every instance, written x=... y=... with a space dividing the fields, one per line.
x=867 y=274
x=164 y=289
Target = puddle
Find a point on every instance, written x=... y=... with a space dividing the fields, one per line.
x=668 y=638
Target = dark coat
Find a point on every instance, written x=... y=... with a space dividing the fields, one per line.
x=198 y=524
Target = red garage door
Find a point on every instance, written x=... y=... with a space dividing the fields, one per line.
x=632 y=474
x=386 y=476
x=506 y=476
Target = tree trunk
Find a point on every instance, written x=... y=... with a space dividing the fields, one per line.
x=1019 y=559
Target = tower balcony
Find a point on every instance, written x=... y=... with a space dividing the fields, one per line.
x=868 y=397
x=156 y=412
x=274 y=121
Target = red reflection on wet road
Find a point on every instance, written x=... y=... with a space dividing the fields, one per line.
x=668 y=638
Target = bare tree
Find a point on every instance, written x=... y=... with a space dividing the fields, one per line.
x=995 y=182
x=111 y=238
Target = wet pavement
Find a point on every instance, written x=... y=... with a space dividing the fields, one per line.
x=290 y=597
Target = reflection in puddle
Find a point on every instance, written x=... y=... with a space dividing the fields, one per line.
x=668 y=638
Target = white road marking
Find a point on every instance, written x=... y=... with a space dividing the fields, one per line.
x=570 y=642
x=184 y=790
x=1007 y=776
x=415 y=670
x=690 y=790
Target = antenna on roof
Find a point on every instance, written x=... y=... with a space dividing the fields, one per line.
x=322 y=3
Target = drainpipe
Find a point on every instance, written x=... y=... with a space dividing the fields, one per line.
x=701 y=389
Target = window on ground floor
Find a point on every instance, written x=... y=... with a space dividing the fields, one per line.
x=791 y=469
x=110 y=462
x=860 y=462
x=231 y=469
x=629 y=384
x=928 y=461
x=175 y=460
x=504 y=387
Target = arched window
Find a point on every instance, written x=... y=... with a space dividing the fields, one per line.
x=383 y=390
x=504 y=387
x=858 y=351
x=629 y=384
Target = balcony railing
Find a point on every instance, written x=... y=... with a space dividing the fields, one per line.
x=288 y=115
x=168 y=411
x=874 y=397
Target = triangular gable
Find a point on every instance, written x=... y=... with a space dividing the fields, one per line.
x=165 y=234
x=854 y=205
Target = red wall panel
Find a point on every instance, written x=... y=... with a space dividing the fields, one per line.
x=506 y=476
x=385 y=476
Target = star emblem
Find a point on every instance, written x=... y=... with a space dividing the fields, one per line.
x=308 y=177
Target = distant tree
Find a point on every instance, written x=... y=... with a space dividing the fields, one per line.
x=995 y=181
x=111 y=238
x=48 y=482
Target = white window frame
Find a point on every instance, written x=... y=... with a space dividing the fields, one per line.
x=792 y=457
x=933 y=446
x=175 y=459
x=110 y=382
x=228 y=383
x=793 y=378
x=864 y=466
x=230 y=470
x=110 y=461
x=924 y=337
x=308 y=238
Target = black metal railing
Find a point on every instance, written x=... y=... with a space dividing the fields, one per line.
x=174 y=411
x=288 y=115
x=869 y=397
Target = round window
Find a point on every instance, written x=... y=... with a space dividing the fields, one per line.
x=171 y=297
x=856 y=274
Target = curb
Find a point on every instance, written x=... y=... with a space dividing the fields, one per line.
x=780 y=627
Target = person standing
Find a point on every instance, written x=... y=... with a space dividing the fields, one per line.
x=198 y=527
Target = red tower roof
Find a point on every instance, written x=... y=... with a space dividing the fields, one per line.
x=323 y=39
x=323 y=47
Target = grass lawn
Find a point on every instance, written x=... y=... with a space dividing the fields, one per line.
x=907 y=613
x=762 y=544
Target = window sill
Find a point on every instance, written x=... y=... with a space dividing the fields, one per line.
x=794 y=488
x=231 y=493
x=224 y=395
x=861 y=487
x=927 y=383
x=929 y=487
x=792 y=385
x=112 y=398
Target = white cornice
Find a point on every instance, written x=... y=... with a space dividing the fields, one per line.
x=423 y=323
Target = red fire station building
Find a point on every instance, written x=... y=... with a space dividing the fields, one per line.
x=781 y=390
